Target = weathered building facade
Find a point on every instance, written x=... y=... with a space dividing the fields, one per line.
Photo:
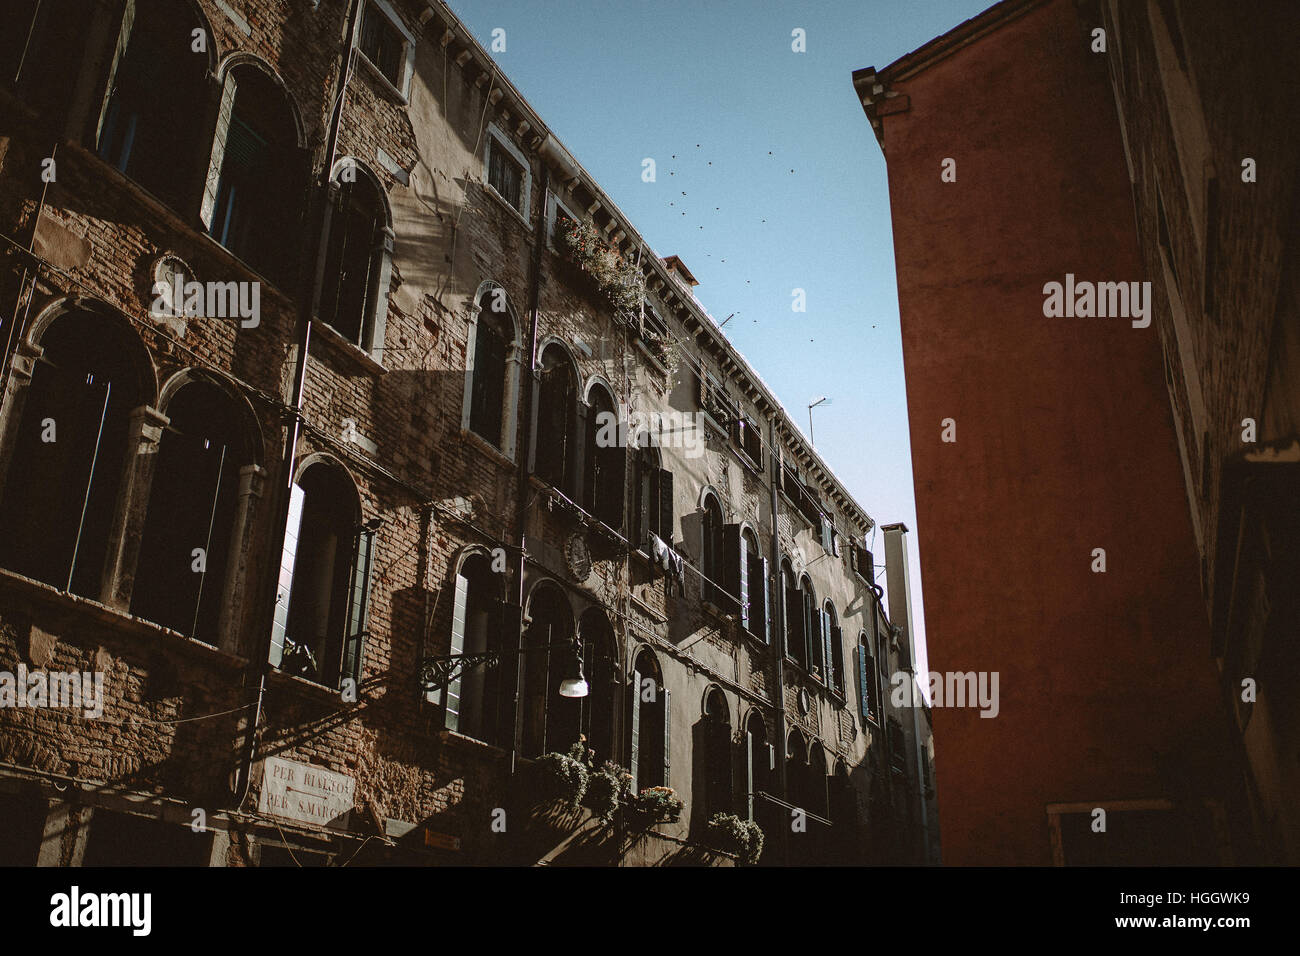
x=1052 y=517
x=344 y=416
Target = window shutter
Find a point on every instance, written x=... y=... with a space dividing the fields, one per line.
x=358 y=607
x=635 y=756
x=864 y=696
x=509 y=621
x=119 y=51
x=736 y=571
x=458 y=614
x=666 y=506
x=576 y=467
x=767 y=605
x=534 y=383
x=668 y=737
x=837 y=658
x=647 y=499
x=828 y=653
x=218 y=155
x=284 y=588
x=749 y=773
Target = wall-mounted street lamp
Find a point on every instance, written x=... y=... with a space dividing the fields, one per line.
x=435 y=673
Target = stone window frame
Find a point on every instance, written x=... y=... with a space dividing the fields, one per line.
x=507 y=446
x=496 y=134
x=403 y=89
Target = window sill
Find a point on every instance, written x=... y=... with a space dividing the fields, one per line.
x=306 y=687
x=349 y=351
x=657 y=365
x=384 y=82
x=491 y=191
x=475 y=440
x=648 y=611
x=458 y=739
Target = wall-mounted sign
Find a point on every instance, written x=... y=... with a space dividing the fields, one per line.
x=306 y=794
x=441 y=841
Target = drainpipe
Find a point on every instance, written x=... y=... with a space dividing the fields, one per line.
x=778 y=626
x=900 y=612
x=526 y=448
x=314 y=256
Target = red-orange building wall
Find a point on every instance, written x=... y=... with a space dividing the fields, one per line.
x=1064 y=442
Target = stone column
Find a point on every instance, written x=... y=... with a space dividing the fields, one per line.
x=144 y=433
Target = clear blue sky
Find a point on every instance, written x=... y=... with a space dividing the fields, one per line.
x=768 y=179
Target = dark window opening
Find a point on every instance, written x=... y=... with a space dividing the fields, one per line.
x=711 y=551
x=551 y=723
x=868 y=702
x=813 y=630
x=143 y=133
x=556 y=438
x=758 y=761
x=598 y=667
x=480 y=702
x=796 y=641
x=606 y=466
x=66 y=471
x=749 y=439
x=192 y=505
x=42 y=49
x=383 y=44
x=352 y=259
x=654 y=500
x=834 y=650
x=119 y=839
x=505 y=175
x=257 y=195
x=322 y=608
x=492 y=337
x=714 y=743
x=648 y=731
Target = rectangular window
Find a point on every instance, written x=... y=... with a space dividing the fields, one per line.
x=747 y=436
x=716 y=403
x=505 y=174
x=558 y=219
x=654 y=502
x=867 y=704
x=862 y=561
x=384 y=46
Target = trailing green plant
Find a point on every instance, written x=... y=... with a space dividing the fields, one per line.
x=559 y=776
x=619 y=279
x=657 y=805
x=741 y=838
x=607 y=789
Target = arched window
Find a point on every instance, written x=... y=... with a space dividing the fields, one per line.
x=843 y=813
x=759 y=762
x=796 y=769
x=834 y=640
x=813 y=629
x=606 y=466
x=252 y=201
x=479 y=702
x=354 y=293
x=746 y=571
x=713 y=749
x=494 y=333
x=868 y=680
x=142 y=132
x=556 y=448
x=66 y=476
x=185 y=549
x=654 y=499
x=796 y=641
x=322 y=607
x=711 y=550
x=42 y=48
x=551 y=722
x=648 y=726
x=816 y=798
x=598 y=649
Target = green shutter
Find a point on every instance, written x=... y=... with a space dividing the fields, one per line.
x=458 y=616
x=635 y=757
x=666 y=506
x=668 y=737
x=358 y=607
x=288 y=555
x=767 y=605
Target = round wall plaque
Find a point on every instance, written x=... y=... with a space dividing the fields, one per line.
x=577 y=556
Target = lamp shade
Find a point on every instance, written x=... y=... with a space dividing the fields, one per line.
x=573 y=687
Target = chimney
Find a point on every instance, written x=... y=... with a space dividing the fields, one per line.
x=677 y=269
x=900 y=589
